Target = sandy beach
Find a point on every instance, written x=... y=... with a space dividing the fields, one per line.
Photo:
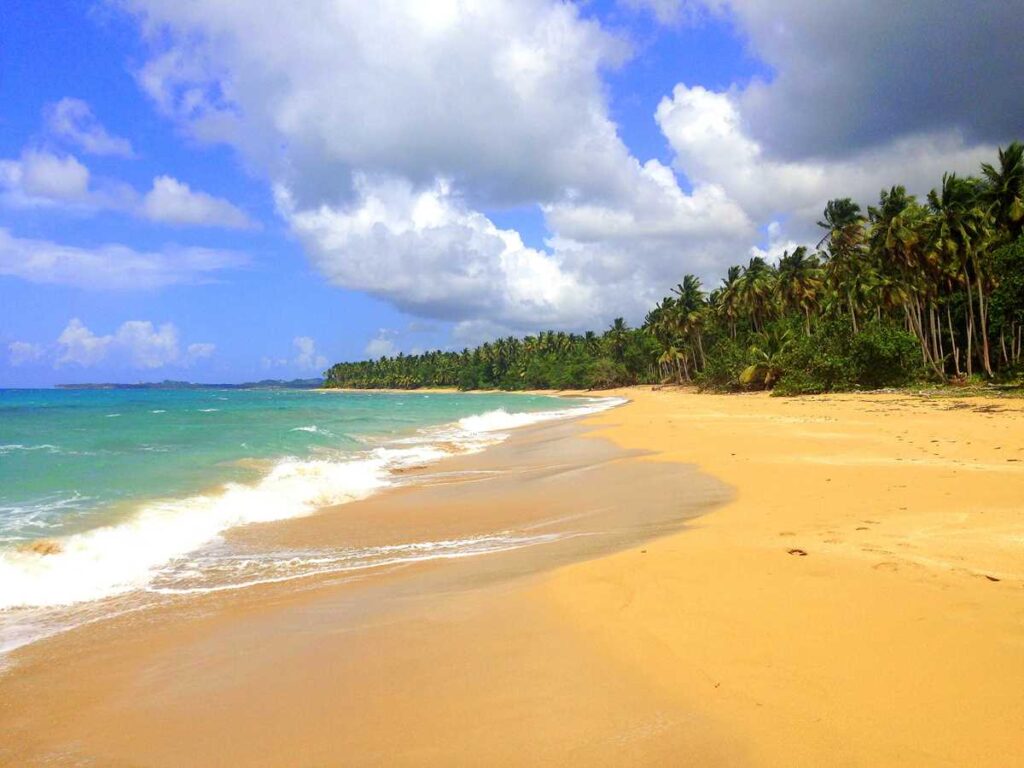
x=715 y=580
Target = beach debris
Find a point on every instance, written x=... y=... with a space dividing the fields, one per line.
x=42 y=547
x=797 y=552
x=991 y=578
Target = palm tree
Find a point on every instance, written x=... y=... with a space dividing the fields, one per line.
x=690 y=308
x=616 y=335
x=755 y=289
x=726 y=298
x=1004 y=190
x=844 y=225
x=959 y=228
x=799 y=283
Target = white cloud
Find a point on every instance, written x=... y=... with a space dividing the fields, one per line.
x=41 y=177
x=174 y=202
x=77 y=344
x=109 y=267
x=22 y=352
x=199 y=351
x=705 y=130
x=380 y=345
x=306 y=356
x=146 y=345
x=44 y=178
x=504 y=98
x=136 y=344
x=73 y=121
x=387 y=131
x=430 y=255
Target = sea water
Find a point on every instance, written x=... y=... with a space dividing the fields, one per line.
x=106 y=493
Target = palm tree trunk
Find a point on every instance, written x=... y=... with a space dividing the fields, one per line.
x=983 y=313
x=952 y=342
x=970 y=322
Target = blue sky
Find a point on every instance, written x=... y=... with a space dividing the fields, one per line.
x=191 y=191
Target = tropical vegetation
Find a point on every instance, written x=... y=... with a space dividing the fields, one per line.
x=902 y=291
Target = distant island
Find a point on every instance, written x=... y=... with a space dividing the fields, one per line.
x=169 y=384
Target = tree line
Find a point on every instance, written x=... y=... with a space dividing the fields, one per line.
x=905 y=290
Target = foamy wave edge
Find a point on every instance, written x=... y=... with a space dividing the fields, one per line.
x=121 y=558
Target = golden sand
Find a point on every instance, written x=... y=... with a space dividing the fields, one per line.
x=857 y=599
x=897 y=640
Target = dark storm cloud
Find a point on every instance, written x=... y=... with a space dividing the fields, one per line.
x=851 y=74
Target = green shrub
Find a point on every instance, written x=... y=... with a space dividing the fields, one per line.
x=725 y=360
x=835 y=358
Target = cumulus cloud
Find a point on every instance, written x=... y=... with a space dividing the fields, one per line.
x=23 y=352
x=77 y=344
x=305 y=359
x=136 y=343
x=199 y=351
x=475 y=92
x=306 y=356
x=388 y=131
x=705 y=130
x=174 y=202
x=110 y=267
x=44 y=178
x=148 y=346
x=846 y=79
x=381 y=345
x=73 y=121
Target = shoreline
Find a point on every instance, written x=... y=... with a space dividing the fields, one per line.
x=360 y=473
x=528 y=486
x=854 y=599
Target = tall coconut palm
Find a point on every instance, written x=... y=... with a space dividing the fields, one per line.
x=844 y=235
x=726 y=299
x=616 y=335
x=755 y=289
x=1004 y=190
x=690 y=308
x=958 y=233
x=799 y=283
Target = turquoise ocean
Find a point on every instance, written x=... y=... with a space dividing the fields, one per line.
x=111 y=493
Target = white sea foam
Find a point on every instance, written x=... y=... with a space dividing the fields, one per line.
x=313 y=429
x=501 y=420
x=12 y=447
x=208 y=410
x=131 y=554
x=223 y=573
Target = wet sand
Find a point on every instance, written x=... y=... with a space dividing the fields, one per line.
x=848 y=591
x=441 y=662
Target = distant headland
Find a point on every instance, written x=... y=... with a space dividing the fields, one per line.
x=169 y=384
